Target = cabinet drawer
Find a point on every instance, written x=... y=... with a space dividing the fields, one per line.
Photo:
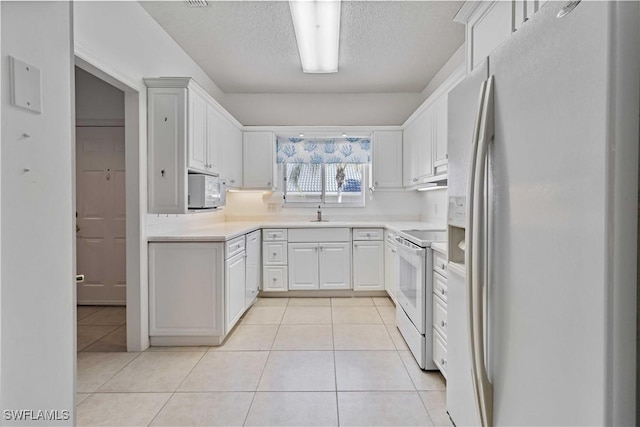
x=275 y=279
x=440 y=286
x=253 y=237
x=368 y=233
x=390 y=237
x=274 y=234
x=440 y=352
x=440 y=317
x=274 y=253
x=234 y=246
x=440 y=263
x=312 y=235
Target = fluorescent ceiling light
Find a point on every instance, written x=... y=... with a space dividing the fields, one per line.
x=317 y=27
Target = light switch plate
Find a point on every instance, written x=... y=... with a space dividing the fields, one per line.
x=25 y=85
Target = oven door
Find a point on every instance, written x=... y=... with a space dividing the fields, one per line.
x=411 y=284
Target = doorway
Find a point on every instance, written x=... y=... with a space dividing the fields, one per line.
x=100 y=214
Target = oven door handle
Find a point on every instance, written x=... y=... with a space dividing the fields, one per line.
x=403 y=248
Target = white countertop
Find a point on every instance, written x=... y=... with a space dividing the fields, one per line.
x=222 y=231
x=440 y=247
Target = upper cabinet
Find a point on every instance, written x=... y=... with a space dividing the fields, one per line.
x=259 y=160
x=440 y=155
x=187 y=133
x=489 y=23
x=231 y=165
x=425 y=157
x=387 y=159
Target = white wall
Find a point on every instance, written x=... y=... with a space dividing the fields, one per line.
x=434 y=206
x=398 y=206
x=125 y=36
x=322 y=109
x=38 y=263
x=456 y=60
x=97 y=102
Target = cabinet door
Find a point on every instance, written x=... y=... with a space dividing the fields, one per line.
x=368 y=266
x=231 y=168
x=274 y=278
x=167 y=172
x=425 y=144
x=303 y=266
x=186 y=289
x=235 y=289
x=390 y=270
x=259 y=152
x=489 y=30
x=215 y=134
x=254 y=249
x=410 y=154
x=440 y=134
x=335 y=266
x=387 y=159
x=197 y=148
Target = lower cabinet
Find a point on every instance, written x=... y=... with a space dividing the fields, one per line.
x=368 y=265
x=186 y=282
x=319 y=266
x=303 y=266
x=254 y=270
x=234 y=289
x=274 y=278
x=334 y=263
x=390 y=269
x=439 y=312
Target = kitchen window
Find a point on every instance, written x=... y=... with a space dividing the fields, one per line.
x=329 y=171
x=333 y=184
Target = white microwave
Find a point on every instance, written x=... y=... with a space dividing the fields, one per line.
x=206 y=191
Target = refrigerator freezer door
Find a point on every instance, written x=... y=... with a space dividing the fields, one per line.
x=551 y=282
x=461 y=117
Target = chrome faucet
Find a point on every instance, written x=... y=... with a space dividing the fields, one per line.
x=319 y=218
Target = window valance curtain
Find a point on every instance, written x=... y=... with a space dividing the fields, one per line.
x=323 y=150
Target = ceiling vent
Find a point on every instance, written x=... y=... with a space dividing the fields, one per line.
x=197 y=3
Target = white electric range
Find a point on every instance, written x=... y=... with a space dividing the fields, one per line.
x=414 y=296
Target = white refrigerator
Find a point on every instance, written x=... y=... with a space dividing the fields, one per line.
x=543 y=224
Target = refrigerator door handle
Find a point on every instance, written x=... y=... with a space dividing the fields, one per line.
x=479 y=260
x=470 y=235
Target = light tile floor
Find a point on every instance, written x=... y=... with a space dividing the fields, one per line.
x=289 y=362
x=101 y=328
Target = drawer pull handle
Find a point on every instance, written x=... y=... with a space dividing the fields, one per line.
x=274 y=254
x=442 y=291
x=443 y=361
x=443 y=266
x=442 y=323
x=275 y=280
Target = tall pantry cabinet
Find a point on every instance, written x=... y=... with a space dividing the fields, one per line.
x=188 y=132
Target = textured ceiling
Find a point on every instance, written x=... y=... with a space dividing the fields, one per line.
x=250 y=46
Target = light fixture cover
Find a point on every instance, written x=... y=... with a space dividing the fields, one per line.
x=317 y=27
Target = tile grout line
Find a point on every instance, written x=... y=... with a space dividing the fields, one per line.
x=255 y=392
x=103 y=307
x=426 y=409
x=335 y=368
x=116 y=373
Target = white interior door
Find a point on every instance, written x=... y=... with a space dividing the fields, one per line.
x=100 y=204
